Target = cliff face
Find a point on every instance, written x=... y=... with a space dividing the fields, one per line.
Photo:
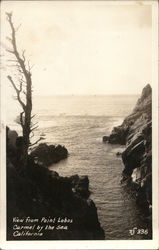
x=40 y=192
x=136 y=133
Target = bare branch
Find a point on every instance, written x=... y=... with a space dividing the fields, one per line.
x=19 y=69
x=29 y=67
x=21 y=119
x=31 y=136
x=13 y=65
x=23 y=55
x=10 y=79
x=40 y=139
x=32 y=67
x=34 y=128
x=12 y=60
x=31 y=148
x=17 y=92
x=9 y=15
x=15 y=51
x=33 y=124
x=9 y=39
x=33 y=116
x=10 y=51
x=20 y=87
x=18 y=27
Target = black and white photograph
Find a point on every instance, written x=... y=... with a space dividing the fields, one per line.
x=79 y=124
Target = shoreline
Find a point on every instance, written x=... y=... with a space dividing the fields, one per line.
x=82 y=160
x=136 y=134
x=41 y=192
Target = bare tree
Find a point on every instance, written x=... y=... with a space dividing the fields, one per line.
x=22 y=85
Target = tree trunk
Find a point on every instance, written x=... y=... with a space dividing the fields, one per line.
x=27 y=120
x=24 y=88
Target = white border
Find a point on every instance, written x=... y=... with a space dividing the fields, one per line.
x=105 y=244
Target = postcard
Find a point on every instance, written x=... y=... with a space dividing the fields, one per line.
x=79 y=125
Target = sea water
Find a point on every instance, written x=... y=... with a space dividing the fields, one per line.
x=79 y=123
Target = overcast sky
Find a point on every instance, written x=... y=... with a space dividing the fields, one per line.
x=83 y=48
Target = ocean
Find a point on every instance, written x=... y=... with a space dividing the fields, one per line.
x=79 y=123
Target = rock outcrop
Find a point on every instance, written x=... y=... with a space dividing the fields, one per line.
x=136 y=133
x=80 y=185
x=40 y=193
x=49 y=154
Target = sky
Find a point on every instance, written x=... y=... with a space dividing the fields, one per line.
x=82 y=47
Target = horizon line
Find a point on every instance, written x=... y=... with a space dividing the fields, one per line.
x=79 y=95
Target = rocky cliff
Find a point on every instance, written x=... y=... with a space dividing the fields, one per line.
x=60 y=205
x=136 y=133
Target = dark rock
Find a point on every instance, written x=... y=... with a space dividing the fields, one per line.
x=132 y=156
x=19 y=141
x=141 y=201
x=49 y=154
x=105 y=138
x=43 y=193
x=136 y=133
x=118 y=154
x=118 y=135
x=12 y=137
x=40 y=192
x=80 y=185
